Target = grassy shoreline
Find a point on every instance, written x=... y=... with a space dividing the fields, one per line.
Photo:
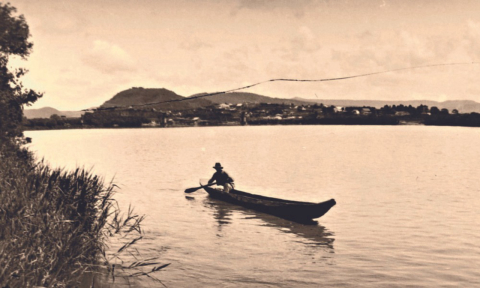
x=56 y=224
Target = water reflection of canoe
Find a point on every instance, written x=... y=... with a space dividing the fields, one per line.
x=314 y=235
x=292 y=210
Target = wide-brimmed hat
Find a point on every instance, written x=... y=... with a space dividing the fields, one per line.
x=218 y=166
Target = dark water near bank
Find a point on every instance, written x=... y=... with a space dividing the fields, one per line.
x=407 y=210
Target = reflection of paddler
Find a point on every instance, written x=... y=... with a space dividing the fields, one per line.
x=222 y=178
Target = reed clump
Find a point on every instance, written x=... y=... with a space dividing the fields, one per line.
x=54 y=224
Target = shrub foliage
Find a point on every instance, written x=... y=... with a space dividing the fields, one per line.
x=54 y=224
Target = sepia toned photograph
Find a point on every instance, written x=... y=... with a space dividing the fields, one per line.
x=239 y=143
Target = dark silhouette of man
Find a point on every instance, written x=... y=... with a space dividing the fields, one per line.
x=222 y=178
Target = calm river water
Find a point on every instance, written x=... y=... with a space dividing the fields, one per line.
x=407 y=210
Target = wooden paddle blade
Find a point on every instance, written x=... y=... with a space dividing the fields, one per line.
x=190 y=190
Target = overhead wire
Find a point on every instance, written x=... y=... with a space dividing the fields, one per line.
x=293 y=80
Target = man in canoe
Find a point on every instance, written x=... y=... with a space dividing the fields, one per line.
x=222 y=178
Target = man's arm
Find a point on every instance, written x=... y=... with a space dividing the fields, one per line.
x=229 y=179
x=212 y=179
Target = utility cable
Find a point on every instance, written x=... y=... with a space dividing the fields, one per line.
x=295 y=80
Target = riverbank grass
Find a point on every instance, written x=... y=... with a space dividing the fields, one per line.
x=54 y=223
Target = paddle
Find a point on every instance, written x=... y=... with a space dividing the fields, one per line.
x=191 y=190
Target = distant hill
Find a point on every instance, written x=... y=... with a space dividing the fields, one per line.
x=46 y=112
x=463 y=106
x=243 y=97
x=140 y=96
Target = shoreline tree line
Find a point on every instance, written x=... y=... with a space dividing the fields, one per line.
x=258 y=114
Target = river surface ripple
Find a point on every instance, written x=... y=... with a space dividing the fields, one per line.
x=407 y=210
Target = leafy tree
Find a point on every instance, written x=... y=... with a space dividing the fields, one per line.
x=411 y=110
x=387 y=110
x=55 y=117
x=444 y=111
x=434 y=110
x=422 y=109
x=14 y=34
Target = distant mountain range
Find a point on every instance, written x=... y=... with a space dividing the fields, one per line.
x=148 y=98
x=46 y=112
x=143 y=96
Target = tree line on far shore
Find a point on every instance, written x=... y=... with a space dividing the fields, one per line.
x=259 y=114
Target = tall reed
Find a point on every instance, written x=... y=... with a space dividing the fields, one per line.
x=54 y=224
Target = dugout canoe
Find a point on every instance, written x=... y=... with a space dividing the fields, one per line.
x=292 y=210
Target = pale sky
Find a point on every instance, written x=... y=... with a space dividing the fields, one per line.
x=86 y=51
